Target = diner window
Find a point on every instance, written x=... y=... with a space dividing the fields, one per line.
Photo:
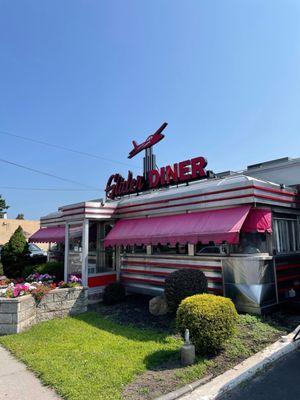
x=75 y=238
x=286 y=235
x=251 y=243
x=75 y=249
x=170 y=249
x=127 y=249
x=140 y=249
x=100 y=259
x=211 y=248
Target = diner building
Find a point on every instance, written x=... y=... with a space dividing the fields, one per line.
x=240 y=228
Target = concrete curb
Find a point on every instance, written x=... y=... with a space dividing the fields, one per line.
x=244 y=371
x=185 y=389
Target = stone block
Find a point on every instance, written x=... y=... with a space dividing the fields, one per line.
x=8 y=306
x=6 y=318
x=60 y=295
x=8 y=329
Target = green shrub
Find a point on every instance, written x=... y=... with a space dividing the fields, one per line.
x=51 y=268
x=14 y=254
x=210 y=319
x=1 y=268
x=183 y=283
x=114 y=293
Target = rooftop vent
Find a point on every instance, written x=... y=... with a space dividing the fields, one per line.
x=268 y=163
x=225 y=173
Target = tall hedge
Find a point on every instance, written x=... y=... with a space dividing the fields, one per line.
x=15 y=254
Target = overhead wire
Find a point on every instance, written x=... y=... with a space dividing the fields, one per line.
x=47 y=189
x=47 y=174
x=65 y=148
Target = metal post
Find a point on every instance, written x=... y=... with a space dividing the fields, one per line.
x=66 y=263
x=85 y=251
x=118 y=261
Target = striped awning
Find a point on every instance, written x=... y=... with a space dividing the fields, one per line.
x=216 y=226
x=49 y=235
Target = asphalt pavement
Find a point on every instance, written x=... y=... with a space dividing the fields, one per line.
x=279 y=382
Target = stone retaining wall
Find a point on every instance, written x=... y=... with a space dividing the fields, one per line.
x=20 y=313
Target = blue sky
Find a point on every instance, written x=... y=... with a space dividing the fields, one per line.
x=93 y=75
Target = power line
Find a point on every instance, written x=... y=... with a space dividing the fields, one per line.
x=57 y=146
x=46 y=174
x=47 y=189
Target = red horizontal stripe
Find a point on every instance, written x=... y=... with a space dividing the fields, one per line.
x=190 y=203
x=172 y=265
x=164 y=274
x=287 y=266
x=270 y=190
x=86 y=208
x=190 y=196
x=215 y=290
x=179 y=257
x=100 y=212
x=277 y=199
x=288 y=278
x=159 y=283
x=277 y=191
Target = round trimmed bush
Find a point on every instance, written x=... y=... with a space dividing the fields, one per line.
x=114 y=293
x=210 y=319
x=183 y=283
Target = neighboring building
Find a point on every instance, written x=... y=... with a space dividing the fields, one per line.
x=8 y=227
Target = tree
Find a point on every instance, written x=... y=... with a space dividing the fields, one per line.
x=14 y=254
x=3 y=206
x=20 y=216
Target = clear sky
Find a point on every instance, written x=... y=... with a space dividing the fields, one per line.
x=93 y=75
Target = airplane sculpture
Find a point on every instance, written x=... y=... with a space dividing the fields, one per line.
x=149 y=142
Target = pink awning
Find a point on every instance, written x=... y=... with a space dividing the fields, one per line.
x=215 y=225
x=258 y=220
x=49 y=235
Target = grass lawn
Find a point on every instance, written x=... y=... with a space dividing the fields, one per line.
x=92 y=357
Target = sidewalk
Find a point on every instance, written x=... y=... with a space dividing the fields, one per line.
x=18 y=383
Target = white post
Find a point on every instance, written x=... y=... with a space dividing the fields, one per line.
x=148 y=250
x=85 y=251
x=66 y=252
x=191 y=249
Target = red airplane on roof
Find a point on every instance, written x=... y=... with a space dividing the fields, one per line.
x=150 y=141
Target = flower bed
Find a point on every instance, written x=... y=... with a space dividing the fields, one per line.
x=36 y=284
x=24 y=304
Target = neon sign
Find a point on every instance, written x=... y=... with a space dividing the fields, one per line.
x=182 y=172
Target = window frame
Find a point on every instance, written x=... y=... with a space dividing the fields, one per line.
x=288 y=233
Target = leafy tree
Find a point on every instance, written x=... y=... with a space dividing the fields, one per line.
x=20 y=216
x=3 y=205
x=14 y=254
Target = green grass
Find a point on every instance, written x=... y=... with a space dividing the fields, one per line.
x=92 y=357
x=89 y=357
